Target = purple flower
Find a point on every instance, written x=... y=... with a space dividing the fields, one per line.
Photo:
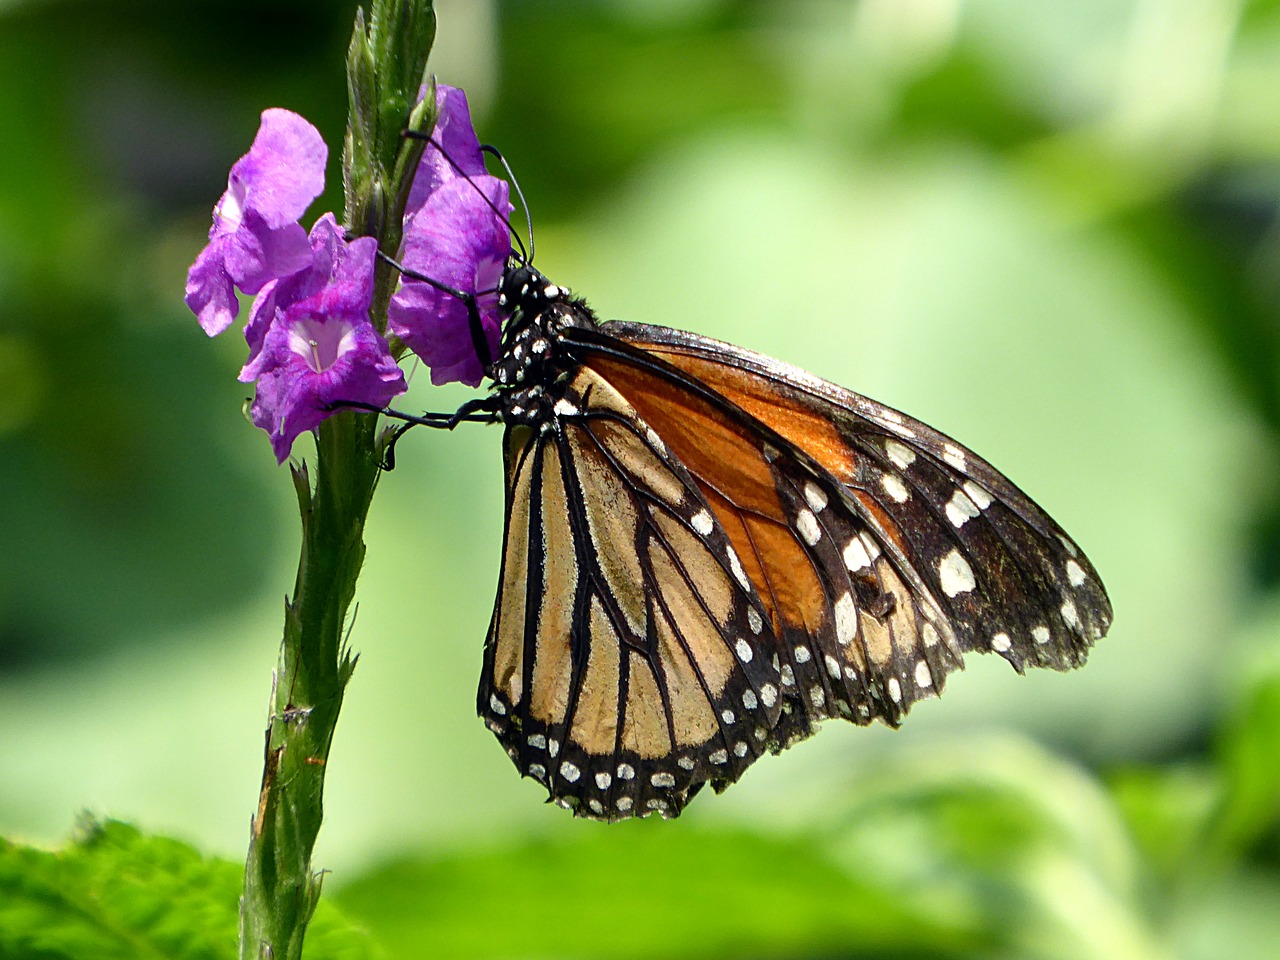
x=456 y=233
x=255 y=237
x=316 y=344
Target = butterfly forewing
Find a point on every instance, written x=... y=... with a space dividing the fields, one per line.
x=627 y=663
x=937 y=551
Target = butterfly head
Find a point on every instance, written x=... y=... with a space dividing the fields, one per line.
x=525 y=291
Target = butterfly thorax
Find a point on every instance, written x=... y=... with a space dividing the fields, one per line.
x=533 y=363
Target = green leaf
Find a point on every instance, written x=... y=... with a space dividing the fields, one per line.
x=647 y=889
x=113 y=892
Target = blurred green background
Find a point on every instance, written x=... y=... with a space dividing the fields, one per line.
x=1049 y=229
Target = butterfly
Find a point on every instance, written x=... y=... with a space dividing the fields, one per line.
x=707 y=552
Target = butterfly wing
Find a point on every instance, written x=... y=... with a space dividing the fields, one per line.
x=882 y=549
x=627 y=661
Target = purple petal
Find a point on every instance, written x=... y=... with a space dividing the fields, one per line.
x=457 y=141
x=211 y=295
x=310 y=362
x=255 y=255
x=255 y=237
x=283 y=170
x=458 y=240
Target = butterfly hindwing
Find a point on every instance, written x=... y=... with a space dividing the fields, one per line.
x=627 y=662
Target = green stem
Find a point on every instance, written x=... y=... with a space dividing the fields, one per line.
x=386 y=64
x=281 y=889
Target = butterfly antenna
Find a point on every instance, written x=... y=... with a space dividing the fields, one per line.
x=511 y=178
x=489 y=203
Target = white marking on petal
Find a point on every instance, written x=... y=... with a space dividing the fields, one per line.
x=1001 y=643
x=955 y=573
x=744 y=651
x=895 y=488
x=663 y=780
x=855 y=555
x=895 y=690
x=702 y=522
x=768 y=694
x=902 y=456
x=815 y=496
x=846 y=618
x=626 y=771
x=960 y=509
x=954 y=456
x=1041 y=634
x=570 y=772
x=1075 y=573
x=807 y=524
x=924 y=678
x=603 y=780
x=979 y=496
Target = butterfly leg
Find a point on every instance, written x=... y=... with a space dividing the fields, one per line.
x=478 y=339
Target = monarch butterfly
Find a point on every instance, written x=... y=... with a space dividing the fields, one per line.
x=707 y=552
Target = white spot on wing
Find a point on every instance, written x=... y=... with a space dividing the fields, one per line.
x=754 y=621
x=663 y=780
x=565 y=408
x=735 y=566
x=702 y=522
x=960 y=509
x=802 y=654
x=1040 y=634
x=814 y=496
x=833 y=666
x=846 y=618
x=954 y=456
x=496 y=705
x=955 y=574
x=902 y=456
x=1071 y=615
x=895 y=488
x=924 y=678
x=626 y=771
x=807 y=524
x=768 y=694
x=718 y=757
x=749 y=699
x=744 y=650
x=1075 y=573
x=895 y=690
x=1001 y=643
x=855 y=555
x=930 y=634
x=603 y=780
x=570 y=772
x=977 y=495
